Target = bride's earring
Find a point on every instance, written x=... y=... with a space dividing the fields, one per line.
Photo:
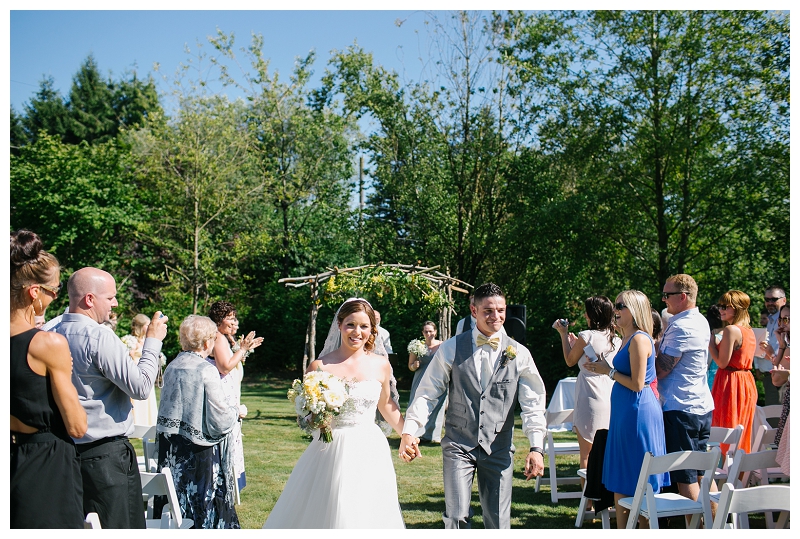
x=40 y=307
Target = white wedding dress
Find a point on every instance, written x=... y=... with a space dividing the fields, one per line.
x=348 y=483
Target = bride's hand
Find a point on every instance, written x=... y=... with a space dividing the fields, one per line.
x=409 y=448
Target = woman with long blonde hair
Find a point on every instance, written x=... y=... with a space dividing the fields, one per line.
x=734 y=390
x=637 y=424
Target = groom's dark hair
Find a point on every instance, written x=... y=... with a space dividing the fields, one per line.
x=487 y=290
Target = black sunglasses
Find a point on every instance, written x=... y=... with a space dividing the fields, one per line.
x=665 y=295
x=771 y=300
x=722 y=307
x=619 y=306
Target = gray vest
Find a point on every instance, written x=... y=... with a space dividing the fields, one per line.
x=476 y=418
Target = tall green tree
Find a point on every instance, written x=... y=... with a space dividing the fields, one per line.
x=675 y=126
x=302 y=153
x=91 y=110
x=441 y=147
x=46 y=111
x=81 y=199
x=195 y=170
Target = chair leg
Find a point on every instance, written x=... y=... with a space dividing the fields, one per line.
x=581 y=512
x=553 y=481
x=605 y=519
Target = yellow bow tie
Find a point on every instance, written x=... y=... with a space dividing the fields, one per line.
x=494 y=342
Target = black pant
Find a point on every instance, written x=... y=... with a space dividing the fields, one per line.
x=112 y=487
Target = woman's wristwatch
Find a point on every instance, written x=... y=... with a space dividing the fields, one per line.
x=611 y=373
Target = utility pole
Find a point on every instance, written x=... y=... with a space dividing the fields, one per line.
x=361 y=204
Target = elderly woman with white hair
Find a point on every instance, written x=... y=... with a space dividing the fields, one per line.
x=194 y=423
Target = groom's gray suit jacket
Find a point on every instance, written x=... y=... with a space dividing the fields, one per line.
x=482 y=418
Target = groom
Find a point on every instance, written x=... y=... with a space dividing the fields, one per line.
x=486 y=373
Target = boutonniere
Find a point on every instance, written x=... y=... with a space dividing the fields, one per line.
x=509 y=354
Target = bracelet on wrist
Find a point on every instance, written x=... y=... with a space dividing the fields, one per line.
x=611 y=373
x=537 y=449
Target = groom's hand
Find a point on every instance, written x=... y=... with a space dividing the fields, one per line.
x=534 y=465
x=409 y=448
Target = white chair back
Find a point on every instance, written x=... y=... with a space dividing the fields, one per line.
x=92 y=522
x=645 y=501
x=764 y=498
x=161 y=484
x=148 y=460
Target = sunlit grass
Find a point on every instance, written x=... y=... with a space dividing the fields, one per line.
x=273 y=444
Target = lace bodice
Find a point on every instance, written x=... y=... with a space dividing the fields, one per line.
x=360 y=407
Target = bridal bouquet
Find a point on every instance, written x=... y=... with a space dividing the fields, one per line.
x=318 y=398
x=418 y=348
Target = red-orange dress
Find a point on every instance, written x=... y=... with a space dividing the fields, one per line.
x=734 y=391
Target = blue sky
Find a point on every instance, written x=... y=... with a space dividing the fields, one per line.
x=55 y=43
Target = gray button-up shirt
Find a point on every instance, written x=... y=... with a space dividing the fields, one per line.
x=105 y=375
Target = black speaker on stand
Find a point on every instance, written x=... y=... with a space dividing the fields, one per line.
x=516 y=323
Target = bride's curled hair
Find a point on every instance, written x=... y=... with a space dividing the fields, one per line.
x=355 y=306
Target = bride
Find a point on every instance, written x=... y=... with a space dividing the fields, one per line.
x=349 y=482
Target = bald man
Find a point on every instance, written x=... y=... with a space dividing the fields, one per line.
x=107 y=379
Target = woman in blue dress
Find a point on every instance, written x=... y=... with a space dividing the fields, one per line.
x=637 y=425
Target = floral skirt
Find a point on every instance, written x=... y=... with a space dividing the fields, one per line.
x=199 y=482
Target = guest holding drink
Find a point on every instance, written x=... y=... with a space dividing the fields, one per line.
x=418 y=362
x=734 y=390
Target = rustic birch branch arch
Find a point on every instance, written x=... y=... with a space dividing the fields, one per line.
x=386 y=282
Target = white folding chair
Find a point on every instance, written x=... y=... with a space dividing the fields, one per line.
x=765 y=441
x=554 y=449
x=148 y=460
x=653 y=506
x=161 y=484
x=583 y=515
x=92 y=522
x=760 y=499
x=754 y=469
x=732 y=437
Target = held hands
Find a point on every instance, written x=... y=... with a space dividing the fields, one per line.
x=157 y=329
x=409 y=448
x=534 y=465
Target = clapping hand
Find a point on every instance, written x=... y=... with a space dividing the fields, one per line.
x=251 y=341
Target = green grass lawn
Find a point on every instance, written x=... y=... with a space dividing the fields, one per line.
x=273 y=443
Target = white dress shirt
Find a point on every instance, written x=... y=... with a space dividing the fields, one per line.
x=531 y=392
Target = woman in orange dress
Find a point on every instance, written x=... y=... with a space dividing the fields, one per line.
x=734 y=388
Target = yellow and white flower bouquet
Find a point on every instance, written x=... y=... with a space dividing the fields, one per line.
x=318 y=398
x=417 y=347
